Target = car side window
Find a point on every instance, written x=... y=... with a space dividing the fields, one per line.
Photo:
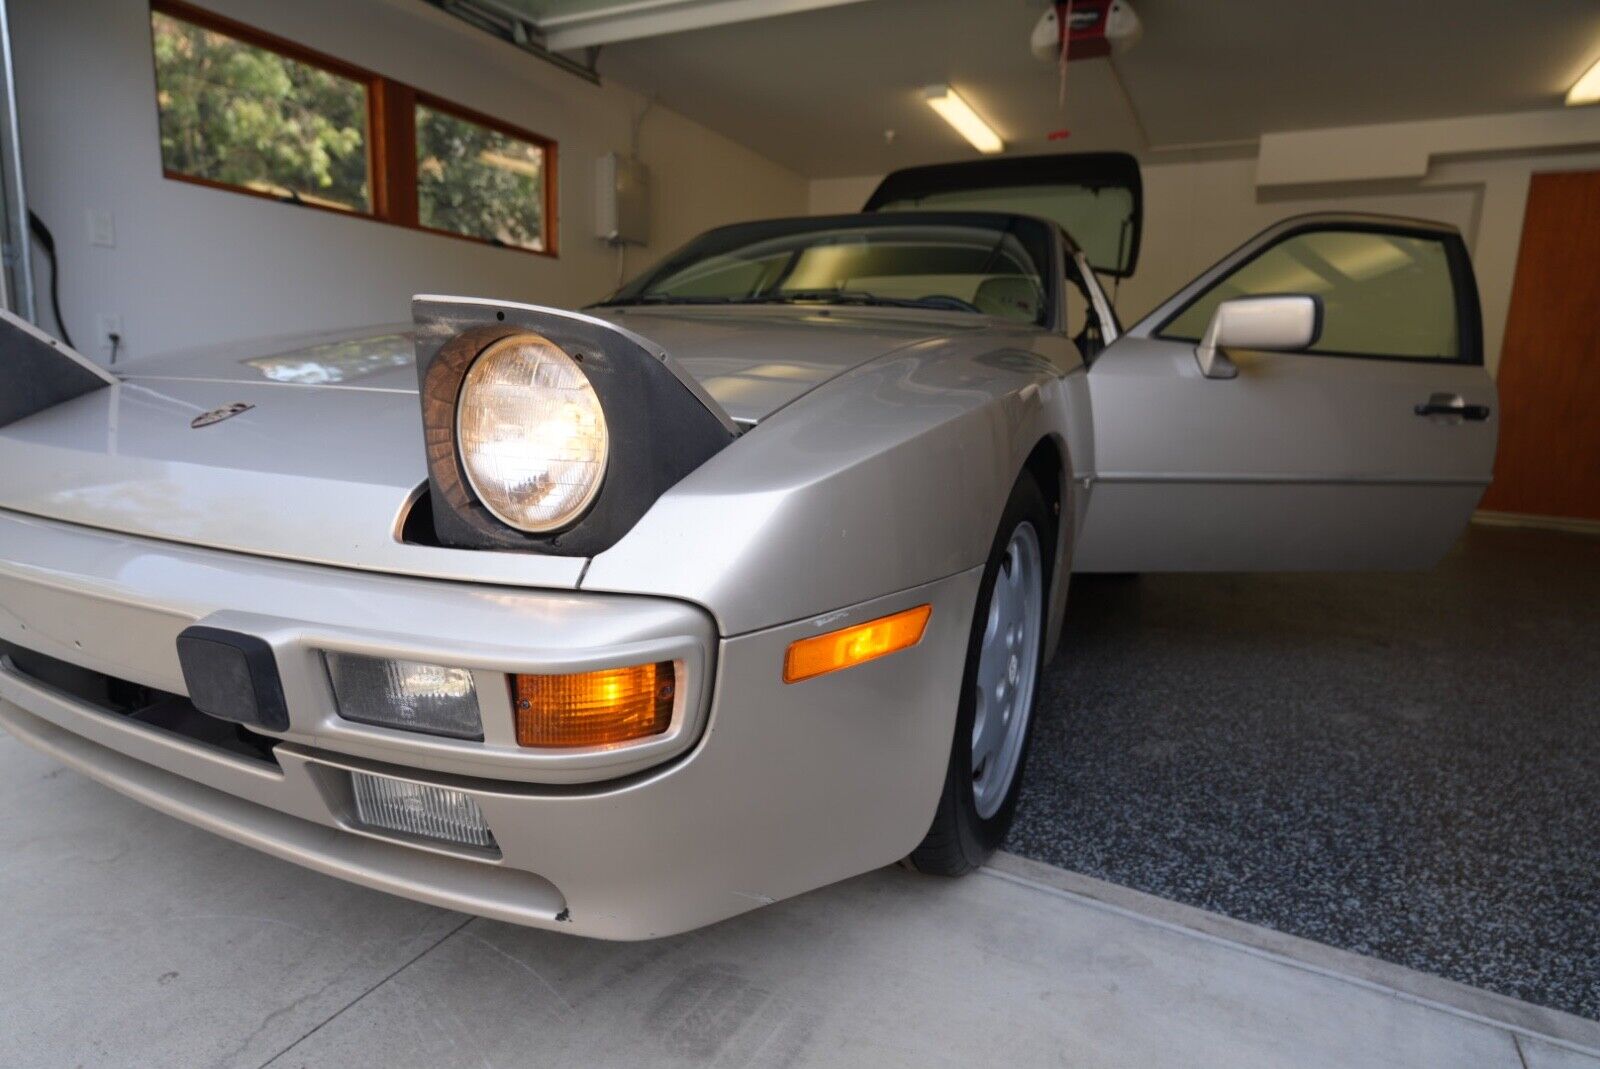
x=1383 y=294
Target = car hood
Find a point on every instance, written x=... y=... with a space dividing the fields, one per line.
x=753 y=360
x=325 y=453
x=756 y=360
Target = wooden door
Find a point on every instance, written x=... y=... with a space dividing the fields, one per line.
x=1549 y=459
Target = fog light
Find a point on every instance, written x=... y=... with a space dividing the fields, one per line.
x=594 y=708
x=409 y=695
x=419 y=809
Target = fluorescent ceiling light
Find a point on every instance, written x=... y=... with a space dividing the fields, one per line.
x=959 y=114
x=1586 y=90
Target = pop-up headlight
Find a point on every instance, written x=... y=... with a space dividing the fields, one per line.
x=549 y=431
x=532 y=434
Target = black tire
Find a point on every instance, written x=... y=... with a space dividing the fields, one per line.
x=960 y=840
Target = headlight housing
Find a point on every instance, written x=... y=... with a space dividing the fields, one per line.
x=547 y=431
x=532 y=434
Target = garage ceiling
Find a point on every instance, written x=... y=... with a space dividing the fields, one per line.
x=815 y=90
x=573 y=24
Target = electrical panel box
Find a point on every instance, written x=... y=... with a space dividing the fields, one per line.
x=621 y=200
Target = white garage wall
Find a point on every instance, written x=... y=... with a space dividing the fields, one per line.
x=194 y=265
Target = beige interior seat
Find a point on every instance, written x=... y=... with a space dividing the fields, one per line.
x=1010 y=297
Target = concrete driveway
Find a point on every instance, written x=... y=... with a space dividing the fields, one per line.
x=130 y=939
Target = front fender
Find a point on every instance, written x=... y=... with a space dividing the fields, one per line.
x=892 y=475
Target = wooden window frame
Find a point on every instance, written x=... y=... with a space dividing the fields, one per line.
x=391 y=135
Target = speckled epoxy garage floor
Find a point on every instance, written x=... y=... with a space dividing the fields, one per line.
x=1406 y=766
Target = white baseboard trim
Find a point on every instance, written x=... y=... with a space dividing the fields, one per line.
x=1571 y=525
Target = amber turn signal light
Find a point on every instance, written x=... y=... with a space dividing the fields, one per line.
x=594 y=708
x=854 y=645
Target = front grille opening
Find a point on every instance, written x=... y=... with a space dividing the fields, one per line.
x=156 y=709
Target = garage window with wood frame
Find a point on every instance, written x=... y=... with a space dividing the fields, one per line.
x=243 y=110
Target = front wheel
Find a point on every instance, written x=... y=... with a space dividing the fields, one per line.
x=1005 y=658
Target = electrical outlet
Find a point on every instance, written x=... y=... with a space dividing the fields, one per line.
x=109 y=325
x=102 y=227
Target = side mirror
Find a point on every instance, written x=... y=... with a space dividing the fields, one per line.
x=1282 y=324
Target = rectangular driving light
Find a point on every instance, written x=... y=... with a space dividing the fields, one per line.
x=855 y=645
x=959 y=114
x=419 y=809
x=594 y=708
x=408 y=695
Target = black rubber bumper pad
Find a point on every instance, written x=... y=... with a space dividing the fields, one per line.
x=233 y=676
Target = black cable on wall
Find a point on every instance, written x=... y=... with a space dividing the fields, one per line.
x=47 y=242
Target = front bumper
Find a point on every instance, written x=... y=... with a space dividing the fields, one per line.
x=763 y=791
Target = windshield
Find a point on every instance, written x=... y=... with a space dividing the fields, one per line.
x=968 y=267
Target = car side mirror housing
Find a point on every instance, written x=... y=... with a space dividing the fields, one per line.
x=1286 y=323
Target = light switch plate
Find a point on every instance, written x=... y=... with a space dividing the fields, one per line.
x=102 y=228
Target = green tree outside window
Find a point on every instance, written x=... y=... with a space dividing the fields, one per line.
x=246 y=116
x=477 y=181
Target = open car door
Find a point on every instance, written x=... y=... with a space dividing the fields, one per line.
x=1367 y=447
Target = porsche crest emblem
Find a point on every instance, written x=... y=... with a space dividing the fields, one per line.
x=217 y=415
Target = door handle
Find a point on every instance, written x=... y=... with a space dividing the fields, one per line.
x=1452 y=408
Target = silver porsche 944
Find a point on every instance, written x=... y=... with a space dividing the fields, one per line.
x=740 y=582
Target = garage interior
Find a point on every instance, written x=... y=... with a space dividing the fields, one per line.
x=1267 y=820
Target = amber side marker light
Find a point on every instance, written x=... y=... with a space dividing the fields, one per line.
x=594 y=708
x=855 y=645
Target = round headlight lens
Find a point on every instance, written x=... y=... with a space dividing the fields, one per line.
x=532 y=434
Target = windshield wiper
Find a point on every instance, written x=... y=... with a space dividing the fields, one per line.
x=820 y=296
x=814 y=297
x=666 y=298
x=858 y=297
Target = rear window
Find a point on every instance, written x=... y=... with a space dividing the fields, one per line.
x=1096 y=219
x=1096 y=197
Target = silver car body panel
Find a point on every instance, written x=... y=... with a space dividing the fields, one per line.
x=720 y=828
x=710 y=346
x=888 y=476
x=471 y=306
x=309 y=473
x=799 y=349
x=334 y=428
x=877 y=451
x=1301 y=462
x=116 y=605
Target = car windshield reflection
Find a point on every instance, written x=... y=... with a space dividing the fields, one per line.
x=985 y=270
